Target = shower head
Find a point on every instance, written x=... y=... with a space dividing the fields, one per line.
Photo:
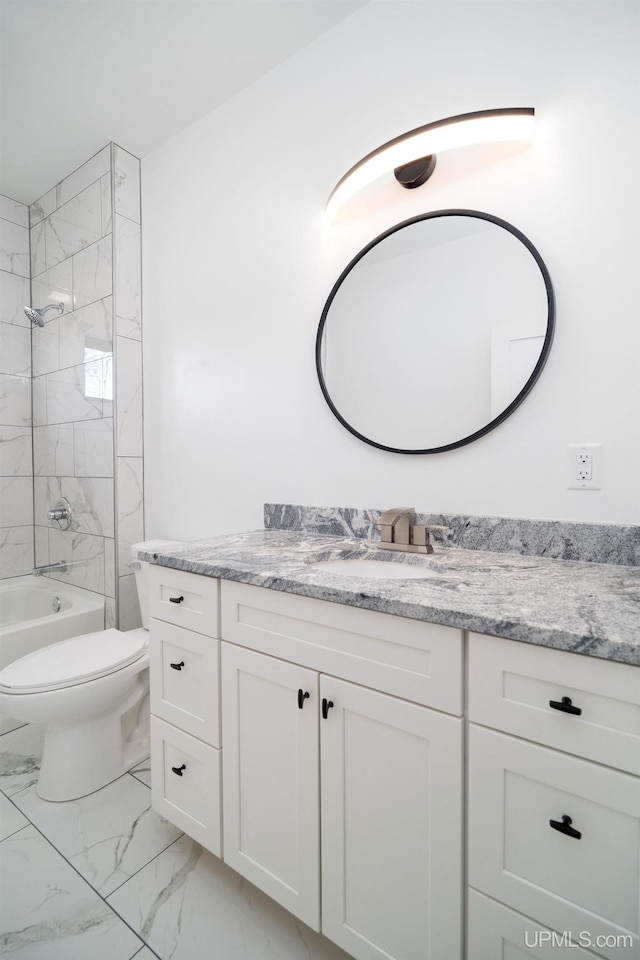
x=35 y=314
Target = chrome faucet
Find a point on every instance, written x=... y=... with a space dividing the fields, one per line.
x=399 y=531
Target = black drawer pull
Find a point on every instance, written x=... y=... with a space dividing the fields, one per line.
x=177 y=666
x=302 y=696
x=178 y=770
x=176 y=599
x=565 y=706
x=564 y=826
x=326 y=706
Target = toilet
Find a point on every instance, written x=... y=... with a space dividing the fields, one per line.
x=91 y=692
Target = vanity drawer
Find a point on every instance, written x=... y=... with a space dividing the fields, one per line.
x=185 y=680
x=186 y=599
x=185 y=783
x=411 y=659
x=590 y=883
x=512 y=685
x=496 y=931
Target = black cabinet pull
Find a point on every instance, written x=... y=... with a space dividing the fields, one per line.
x=302 y=696
x=326 y=706
x=565 y=706
x=178 y=770
x=176 y=599
x=177 y=666
x=564 y=826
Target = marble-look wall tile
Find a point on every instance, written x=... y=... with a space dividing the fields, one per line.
x=39 y=401
x=15 y=349
x=53 y=286
x=16 y=501
x=110 y=568
x=45 y=348
x=110 y=619
x=43 y=207
x=46 y=492
x=16 y=551
x=126 y=177
x=76 y=393
x=129 y=397
x=86 y=174
x=106 y=204
x=14 y=248
x=14 y=295
x=14 y=211
x=86 y=334
x=41 y=544
x=15 y=400
x=85 y=555
x=128 y=606
x=38 y=251
x=91 y=502
x=92 y=278
x=130 y=520
x=93 y=448
x=16 y=461
x=74 y=226
x=15 y=452
x=128 y=279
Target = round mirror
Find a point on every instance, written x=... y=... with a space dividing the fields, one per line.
x=435 y=332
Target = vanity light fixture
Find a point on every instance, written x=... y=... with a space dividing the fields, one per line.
x=412 y=157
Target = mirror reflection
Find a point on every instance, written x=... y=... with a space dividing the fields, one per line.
x=435 y=332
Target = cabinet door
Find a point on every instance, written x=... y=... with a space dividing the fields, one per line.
x=271 y=778
x=391 y=826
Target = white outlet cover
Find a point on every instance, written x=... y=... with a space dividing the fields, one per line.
x=595 y=452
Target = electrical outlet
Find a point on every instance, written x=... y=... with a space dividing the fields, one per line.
x=585 y=466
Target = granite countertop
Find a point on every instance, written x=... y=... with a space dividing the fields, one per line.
x=587 y=608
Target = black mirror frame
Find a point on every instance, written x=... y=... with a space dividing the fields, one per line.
x=537 y=370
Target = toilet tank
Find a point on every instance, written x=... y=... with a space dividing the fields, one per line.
x=141 y=568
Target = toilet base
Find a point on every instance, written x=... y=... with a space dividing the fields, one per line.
x=80 y=757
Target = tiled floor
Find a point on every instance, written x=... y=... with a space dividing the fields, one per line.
x=106 y=878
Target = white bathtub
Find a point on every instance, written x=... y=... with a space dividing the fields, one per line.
x=28 y=620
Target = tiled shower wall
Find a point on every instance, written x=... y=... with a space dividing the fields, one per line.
x=16 y=465
x=87 y=376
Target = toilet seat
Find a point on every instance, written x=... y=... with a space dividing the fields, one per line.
x=74 y=661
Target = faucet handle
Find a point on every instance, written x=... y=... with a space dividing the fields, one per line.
x=421 y=534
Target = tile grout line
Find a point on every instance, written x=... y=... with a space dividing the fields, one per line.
x=84 y=879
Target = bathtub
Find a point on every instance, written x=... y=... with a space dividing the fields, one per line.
x=37 y=611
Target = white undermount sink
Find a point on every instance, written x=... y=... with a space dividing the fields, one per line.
x=372 y=569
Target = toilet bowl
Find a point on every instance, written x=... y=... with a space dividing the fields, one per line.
x=91 y=692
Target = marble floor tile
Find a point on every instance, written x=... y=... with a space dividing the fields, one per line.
x=20 y=753
x=48 y=912
x=188 y=905
x=107 y=836
x=142 y=771
x=11 y=820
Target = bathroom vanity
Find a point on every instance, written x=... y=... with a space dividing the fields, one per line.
x=367 y=754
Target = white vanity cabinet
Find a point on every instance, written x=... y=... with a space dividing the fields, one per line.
x=325 y=777
x=185 y=702
x=554 y=803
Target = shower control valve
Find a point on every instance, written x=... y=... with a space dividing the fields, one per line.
x=61 y=514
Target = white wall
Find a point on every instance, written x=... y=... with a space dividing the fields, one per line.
x=238 y=261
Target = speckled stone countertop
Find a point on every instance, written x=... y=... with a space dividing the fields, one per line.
x=587 y=608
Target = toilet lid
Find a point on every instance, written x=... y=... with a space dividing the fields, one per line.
x=73 y=661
